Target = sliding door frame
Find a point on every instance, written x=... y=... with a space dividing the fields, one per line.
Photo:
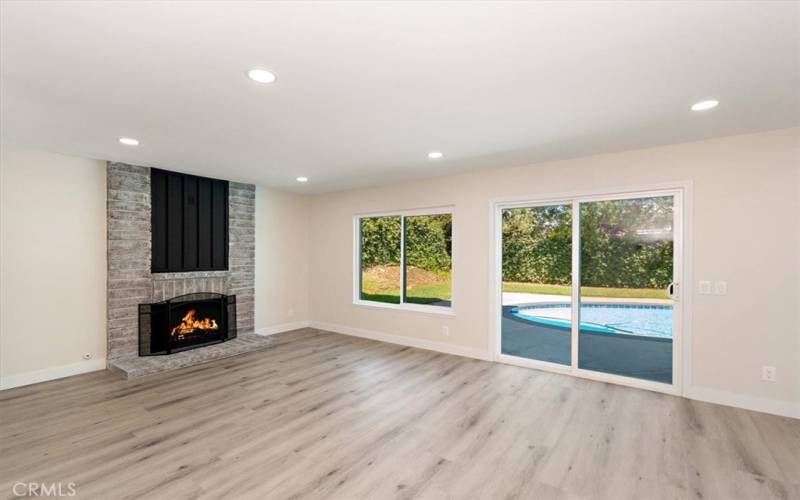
x=681 y=341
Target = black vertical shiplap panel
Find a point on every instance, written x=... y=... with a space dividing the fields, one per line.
x=189 y=223
x=174 y=222
x=204 y=223
x=158 y=193
x=226 y=220
x=219 y=224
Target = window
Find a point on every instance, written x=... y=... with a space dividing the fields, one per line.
x=381 y=244
x=405 y=259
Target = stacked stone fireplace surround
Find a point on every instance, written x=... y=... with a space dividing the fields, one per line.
x=130 y=281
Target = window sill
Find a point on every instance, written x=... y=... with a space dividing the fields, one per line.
x=415 y=308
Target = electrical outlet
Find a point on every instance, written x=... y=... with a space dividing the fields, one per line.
x=290 y=312
x=768 y=373
x=446 y=331
x=720 y=287
x=705 y=288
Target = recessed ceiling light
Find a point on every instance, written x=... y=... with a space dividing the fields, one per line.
x=302 y=179
x=435 y=155
x=704 y=105
x=261 y=76
x=128 y=141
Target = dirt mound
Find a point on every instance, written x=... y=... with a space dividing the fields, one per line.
x=386 y=278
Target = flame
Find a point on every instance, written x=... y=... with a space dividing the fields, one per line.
x=189 y=324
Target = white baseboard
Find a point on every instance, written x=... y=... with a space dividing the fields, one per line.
x=285 y=327
x=468 y=352
x=775 y=407
x=53 y=373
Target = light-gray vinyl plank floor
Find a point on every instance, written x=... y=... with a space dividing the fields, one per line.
x=321 y=415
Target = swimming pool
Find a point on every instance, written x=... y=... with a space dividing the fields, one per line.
x=633 y=319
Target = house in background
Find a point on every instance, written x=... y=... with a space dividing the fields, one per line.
x=400 y=250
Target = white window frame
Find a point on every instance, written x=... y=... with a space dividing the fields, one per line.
x=402 y=306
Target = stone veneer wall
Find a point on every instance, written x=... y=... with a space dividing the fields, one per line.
x=130 y=281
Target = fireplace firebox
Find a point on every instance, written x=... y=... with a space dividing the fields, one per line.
x=186 y=322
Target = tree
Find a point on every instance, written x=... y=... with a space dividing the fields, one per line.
x=537 y=244
x=428 y=241
x=627 y=243
x=624 y=243
x=380 y=241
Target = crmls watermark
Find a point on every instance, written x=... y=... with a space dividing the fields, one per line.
x=33 y=489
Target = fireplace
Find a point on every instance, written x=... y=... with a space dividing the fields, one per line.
x=186 y=322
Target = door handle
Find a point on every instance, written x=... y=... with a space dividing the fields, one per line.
x=672 y=290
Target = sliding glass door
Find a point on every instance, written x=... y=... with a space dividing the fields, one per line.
x=626 y=270
x=537 y=283
x=589 y=284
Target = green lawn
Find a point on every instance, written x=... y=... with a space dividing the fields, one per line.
x=377 y=290
x=586 y=291
x=419 y=295
x=435 y=292
x=381 y=297
x=430 y=293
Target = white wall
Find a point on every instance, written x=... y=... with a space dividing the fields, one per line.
x=746 y=231
x=281 y=261
x=52 y=266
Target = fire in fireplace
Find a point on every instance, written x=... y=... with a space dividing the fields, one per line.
x=190 y=324
x=186 y=322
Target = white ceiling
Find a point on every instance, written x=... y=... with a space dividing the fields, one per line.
x=366 y=90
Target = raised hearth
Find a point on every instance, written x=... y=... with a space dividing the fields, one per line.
x=139 y=366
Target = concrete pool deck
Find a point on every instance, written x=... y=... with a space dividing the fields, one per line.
x=648 y=358
x=516 y=298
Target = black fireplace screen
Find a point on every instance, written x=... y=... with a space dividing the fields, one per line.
x=186 y=322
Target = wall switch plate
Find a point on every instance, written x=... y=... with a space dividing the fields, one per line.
x=720 y=287
x=705 y=287
x=446 y=331
x=768 y=373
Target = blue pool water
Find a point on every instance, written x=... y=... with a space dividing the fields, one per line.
x=644 y=320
